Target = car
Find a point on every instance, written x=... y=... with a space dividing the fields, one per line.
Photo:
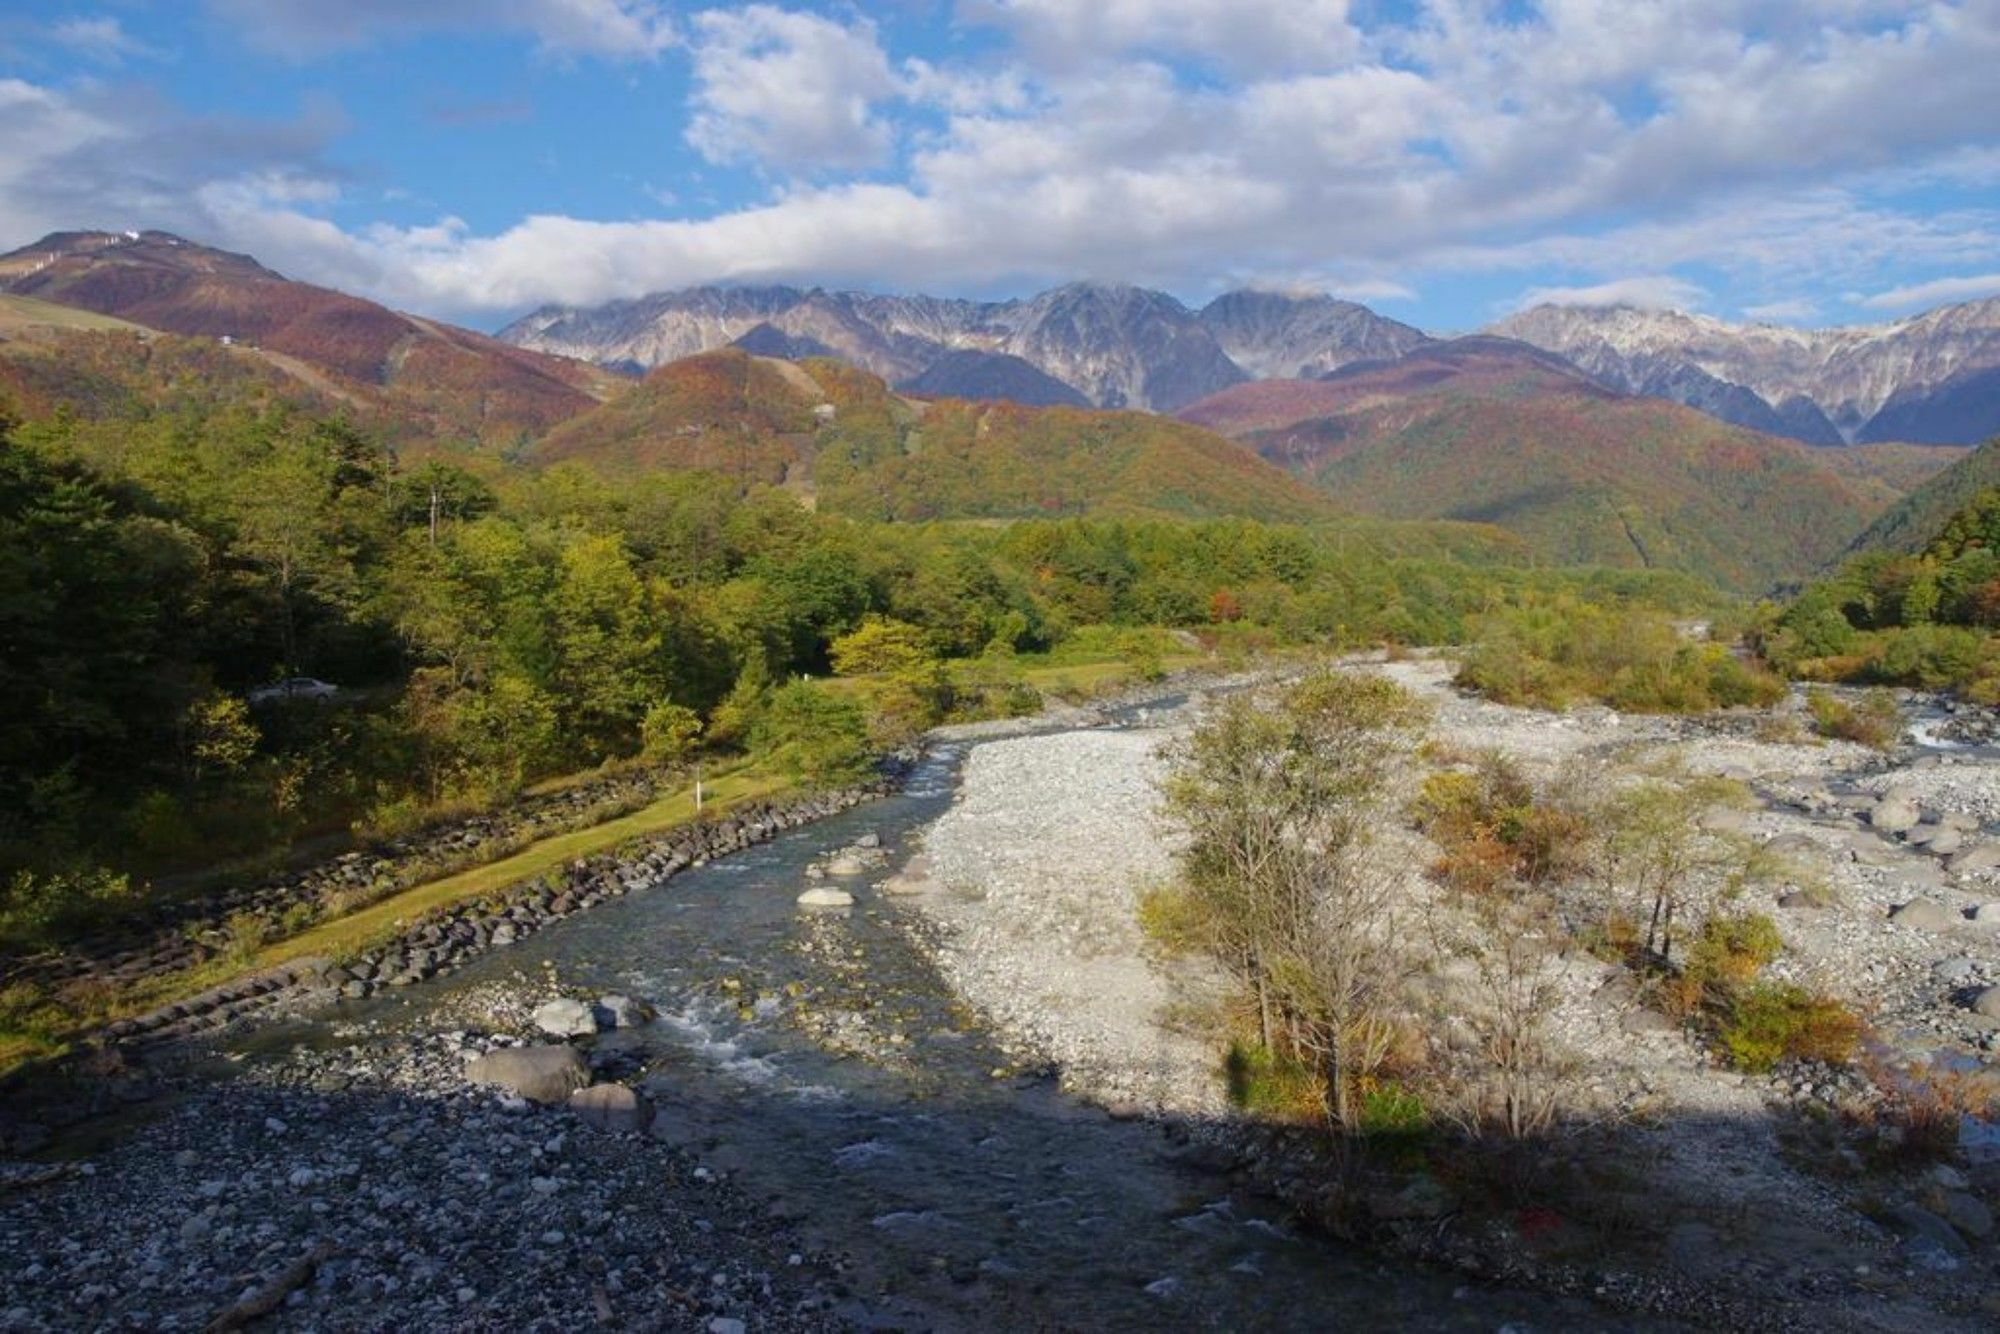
x=293 y=688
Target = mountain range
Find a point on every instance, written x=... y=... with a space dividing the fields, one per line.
x=1115 y=346
x=1933 y=378
x=1295 y=407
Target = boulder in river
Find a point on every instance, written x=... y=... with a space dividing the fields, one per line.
x=612 y=1107
x=540 y=1074
x=625 y=1012
x=566 y=1018
x=1987 y=1003
x=846 y=863
x=826 y=898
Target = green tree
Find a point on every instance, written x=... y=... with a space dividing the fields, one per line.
x=221 y=737
x=813 y=734
x=880 y=644
x=670 y=733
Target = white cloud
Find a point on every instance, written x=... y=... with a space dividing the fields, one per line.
x=789 y=90
x=102 y=39
x=306 y=28
x=1262 y=36
x=1371 y=289
x=1650 y=292
x=1787 y=149
x=1937 y=292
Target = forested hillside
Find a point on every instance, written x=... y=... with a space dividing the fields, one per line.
x=1494 y=431
x=1910 y=523
x=426 y=379
x=840 y=436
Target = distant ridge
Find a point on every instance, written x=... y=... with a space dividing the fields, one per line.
x=1929 y=379
x=452 y=380
x=1114 y=345
x=1932 y=379
x=1491 y=430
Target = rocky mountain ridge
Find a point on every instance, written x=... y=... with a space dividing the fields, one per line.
x=1932 y=378
x=1115 y=344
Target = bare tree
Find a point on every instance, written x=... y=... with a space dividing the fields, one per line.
x=1275 y=793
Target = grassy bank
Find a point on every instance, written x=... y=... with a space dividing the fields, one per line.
x=31 y=1030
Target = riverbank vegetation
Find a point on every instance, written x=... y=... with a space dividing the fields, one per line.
x=1552 y=653
x=1927 y=619
x=1379 y=1007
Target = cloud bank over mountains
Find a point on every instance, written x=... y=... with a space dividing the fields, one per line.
x=1833 y=160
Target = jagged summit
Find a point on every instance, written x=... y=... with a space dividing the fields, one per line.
x=1930 y=378
x=1115 y=344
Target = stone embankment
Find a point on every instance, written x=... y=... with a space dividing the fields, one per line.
x=440 y=941
x=428 y=946
x=170 y=934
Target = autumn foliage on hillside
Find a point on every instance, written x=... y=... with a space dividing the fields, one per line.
x=437 y=378
x=824 y=427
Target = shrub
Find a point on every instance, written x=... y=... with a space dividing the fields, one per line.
x=1171 y=917
x=1773 y=1021
x=1635 y=659
x=36 y=909
x=1392 y=1110
x=245 y=933
x=1266 y=1083
x=1875 y=721
x=1733 y=948
x=1493 y=826
x=880 y=644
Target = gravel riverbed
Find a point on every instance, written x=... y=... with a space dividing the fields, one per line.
x=1031 y=882
x=444 y=1203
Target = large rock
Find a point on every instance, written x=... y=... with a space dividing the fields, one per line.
x=1932 y=1241
x=540 y=1074
x=1978 y=857
x=1967 y=1213
x=1925 y=915
x=1945 y=842
x=846 y=863
x=826 y=898
x=625 y=1012
x=1987 y=1003
x=566 y=1018
x=1896 y=812
x=612 y=1107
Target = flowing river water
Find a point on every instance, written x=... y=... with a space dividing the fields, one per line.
x=819 y=1059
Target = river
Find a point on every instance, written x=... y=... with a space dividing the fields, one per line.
x=819 y=1059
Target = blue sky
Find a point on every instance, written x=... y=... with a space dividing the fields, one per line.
x=1445 y=161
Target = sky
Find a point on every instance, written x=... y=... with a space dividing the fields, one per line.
x=1443 y=161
